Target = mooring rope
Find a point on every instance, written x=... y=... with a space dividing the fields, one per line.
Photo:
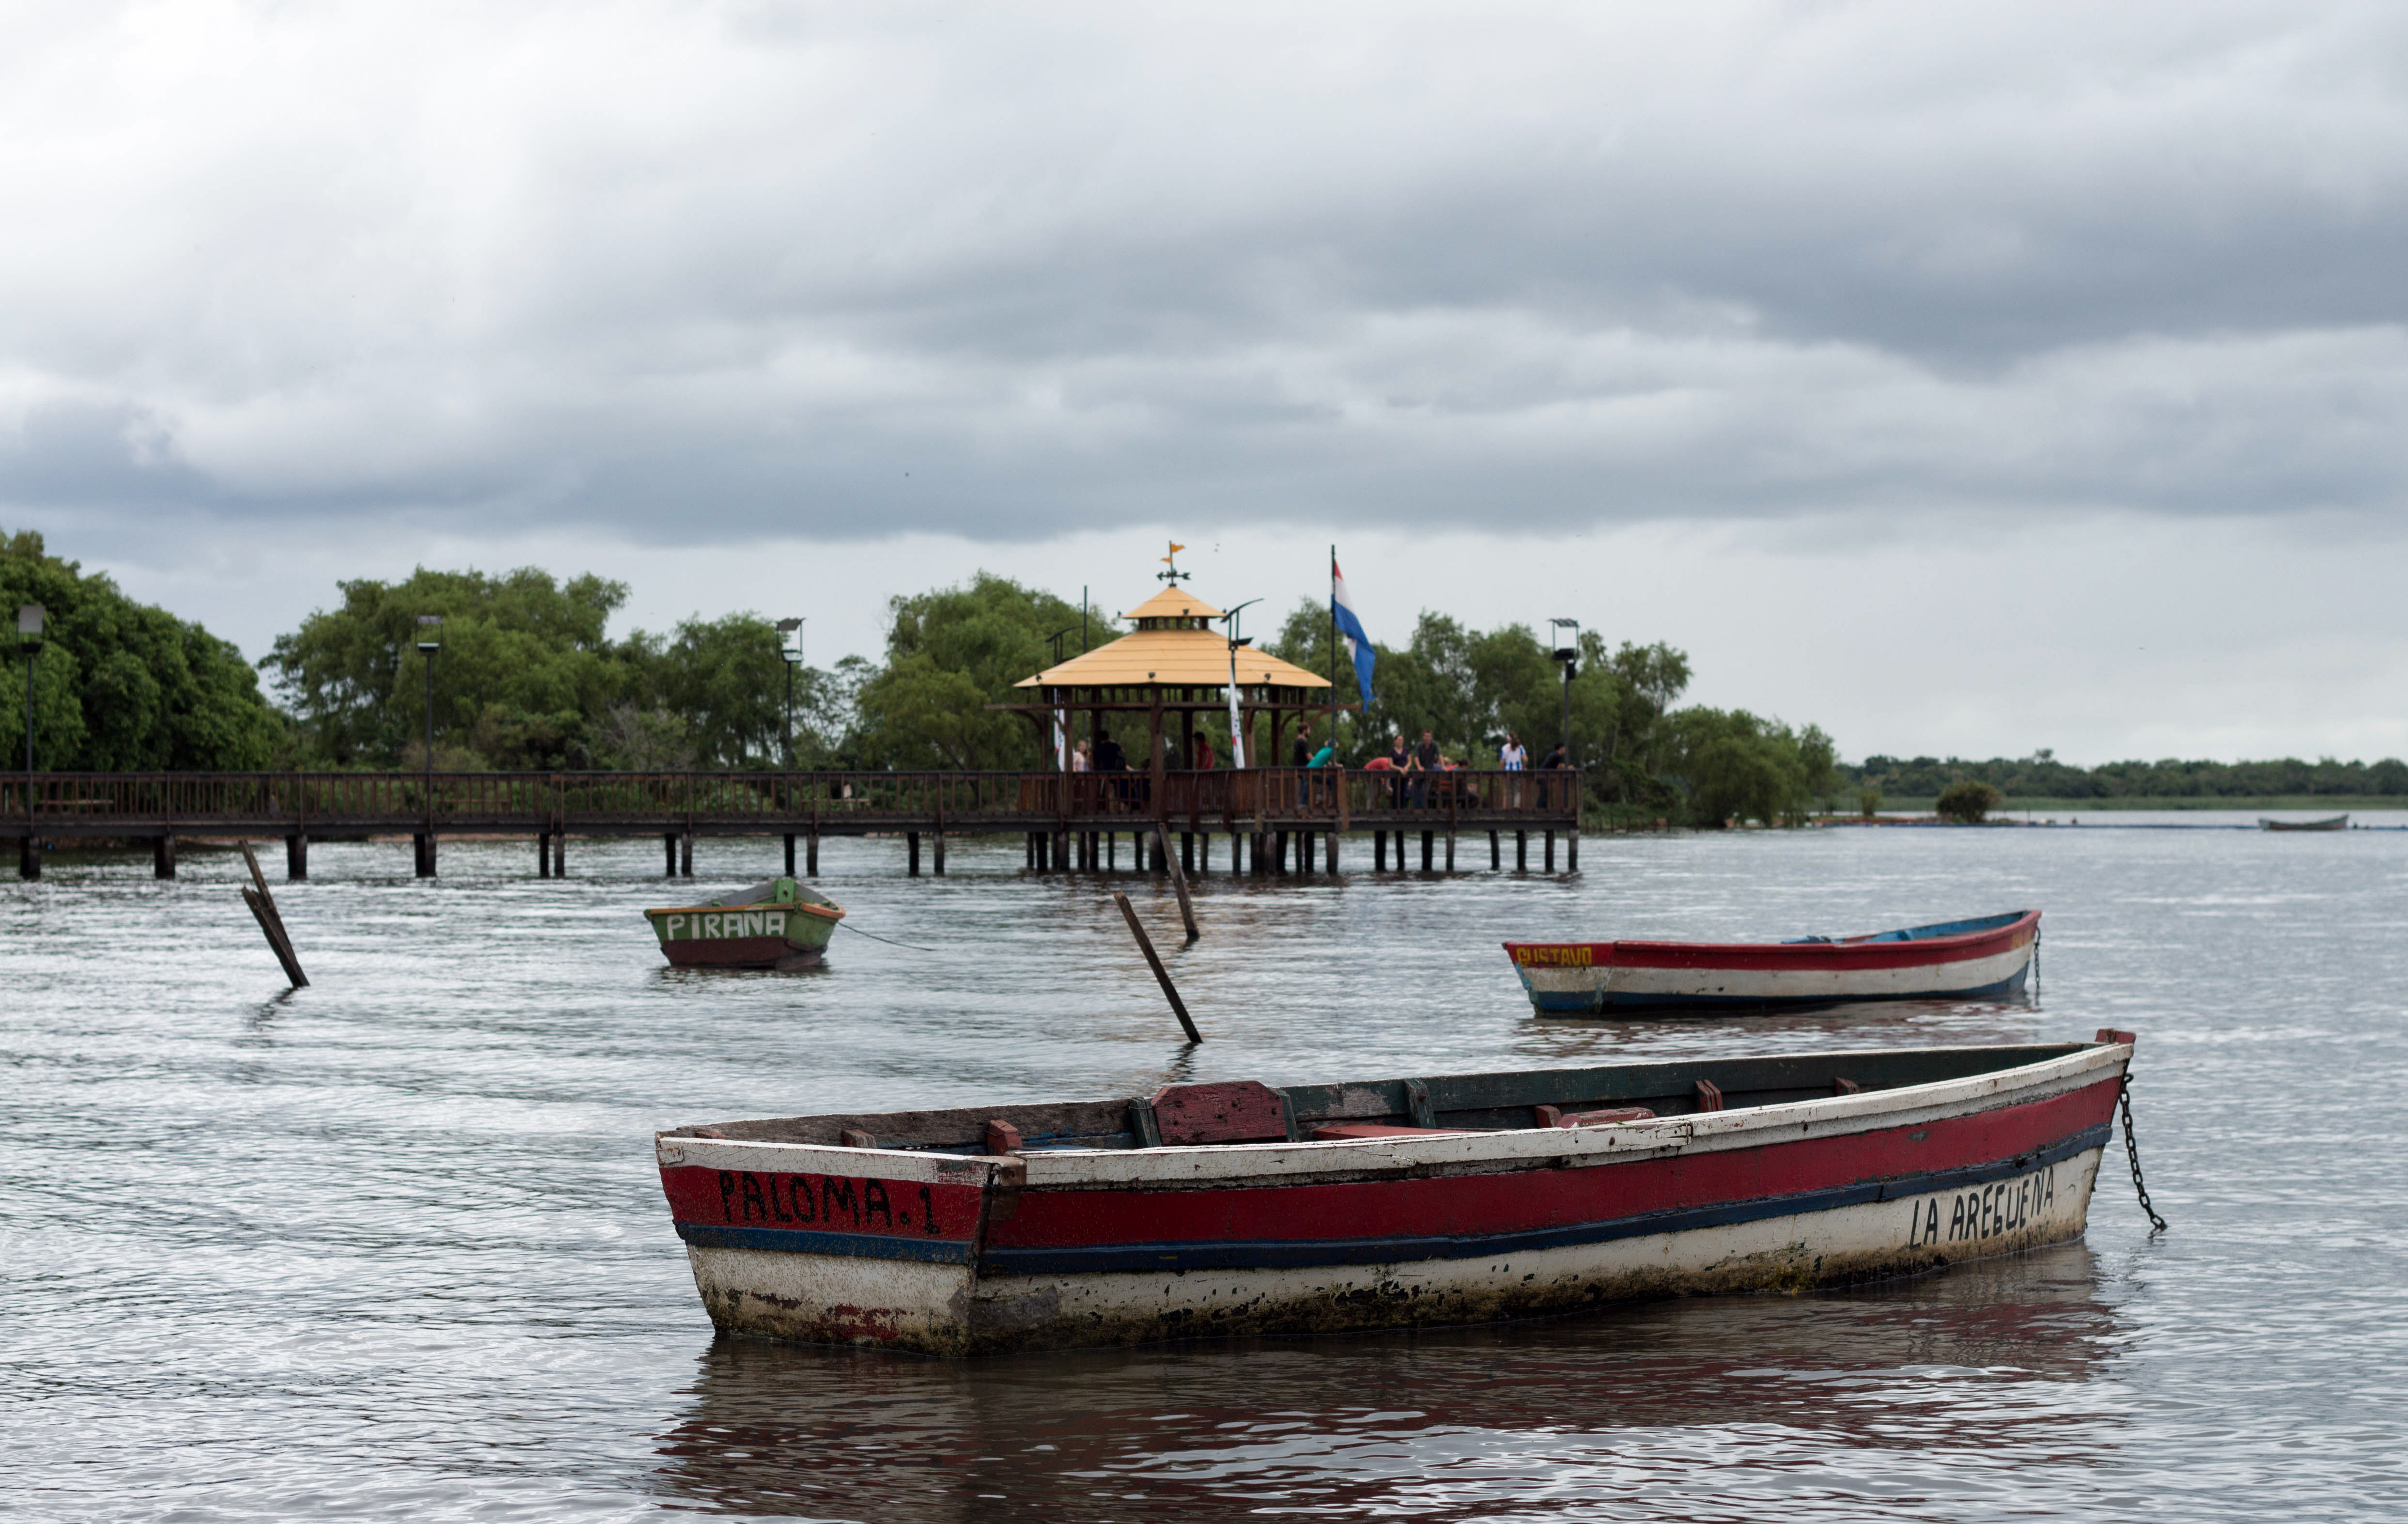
x=888 y=940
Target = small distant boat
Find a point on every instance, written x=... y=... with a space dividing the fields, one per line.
x=775 y=924
x=1986 y=958
x=1236 y=1207
x=2336 y=823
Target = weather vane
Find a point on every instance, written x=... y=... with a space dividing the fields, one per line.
x=1174 y=575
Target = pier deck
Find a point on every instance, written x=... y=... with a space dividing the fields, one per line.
x=1062 y=815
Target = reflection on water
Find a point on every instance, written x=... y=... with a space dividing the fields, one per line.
x=1597 y=1411
x=394 y=1246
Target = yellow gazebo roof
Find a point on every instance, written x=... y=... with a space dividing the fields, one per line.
x=1172 y=646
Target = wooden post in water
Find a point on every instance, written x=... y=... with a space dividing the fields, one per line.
x=560 y=854
x=790 y=854
x=1495 y=853
x=296 y=858
x=1154 y=959
x=262 y=909
x=911 y=853
x=1179 y=883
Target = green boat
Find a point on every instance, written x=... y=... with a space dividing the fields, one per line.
x=776 y=924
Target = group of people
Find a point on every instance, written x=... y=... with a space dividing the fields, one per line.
x=1105 y=756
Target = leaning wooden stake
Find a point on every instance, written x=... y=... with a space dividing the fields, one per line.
x=262 y=909
x=1145 y=945
x=1178 y=881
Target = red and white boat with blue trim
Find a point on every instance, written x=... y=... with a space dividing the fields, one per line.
x=1986 y=959
x=1243 y=1208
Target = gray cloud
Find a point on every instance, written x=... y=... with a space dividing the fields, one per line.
x=685 y=272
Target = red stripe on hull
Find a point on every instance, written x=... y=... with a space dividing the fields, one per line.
x=1526 y=1201
x=730 y=953
x=1791 y=957
x=820 y=1202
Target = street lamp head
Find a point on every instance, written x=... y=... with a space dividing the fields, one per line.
x=427 y=626
x=29 y=620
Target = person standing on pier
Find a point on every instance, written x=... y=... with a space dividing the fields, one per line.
x=1426 y=762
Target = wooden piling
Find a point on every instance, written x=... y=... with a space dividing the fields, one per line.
x=560 y=854
x=1379 y=851
x=271 y=924
x=912 y=852
x=1179 y=884
x=1520 y=852
x=1449 y=852
x=423 y=840
x=812 y=854
x=1429 y=842
x=941 y=854
x=1496 y=853
x=1154 y=960
x=790 y=854
x=1551 y=851
x=1571 y=850
x=1329 y=851
x=296 y=858
x=162 y=857
x=668 y=848
x=29 y=855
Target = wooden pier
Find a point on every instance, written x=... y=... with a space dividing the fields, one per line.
x=1276 y=819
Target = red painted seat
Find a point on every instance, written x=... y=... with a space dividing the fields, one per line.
x=1232 y=1111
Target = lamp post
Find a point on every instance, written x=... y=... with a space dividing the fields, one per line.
x=1569 y=656
x=1237 y=736
x=789 y=646
x=29 y=641
x=29 y=644
x=428 y=646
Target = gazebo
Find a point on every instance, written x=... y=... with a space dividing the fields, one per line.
x=1171 y=668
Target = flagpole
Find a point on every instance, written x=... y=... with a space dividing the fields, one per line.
x=1333 y=647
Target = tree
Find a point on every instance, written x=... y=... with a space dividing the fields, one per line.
x=124 y=686
x=1731 y=765
x=952 y=652
x=725 y=681
x=1967 y=801
x=524 y=664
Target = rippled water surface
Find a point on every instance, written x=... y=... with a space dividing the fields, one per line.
x=393 y=1244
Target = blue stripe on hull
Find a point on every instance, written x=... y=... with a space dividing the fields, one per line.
x=1293 y=1253
x=937 y=1251
x=1574 y=1004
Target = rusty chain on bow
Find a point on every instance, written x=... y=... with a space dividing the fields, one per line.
x=2132 y=1152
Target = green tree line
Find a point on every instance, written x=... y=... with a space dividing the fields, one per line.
x=121 y=686
x=2042 y=776
x=527 y=675
x=1643 y=757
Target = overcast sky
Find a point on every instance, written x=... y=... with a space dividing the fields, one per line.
x=1965 y=379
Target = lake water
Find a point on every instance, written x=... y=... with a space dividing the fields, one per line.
x=394 y=1246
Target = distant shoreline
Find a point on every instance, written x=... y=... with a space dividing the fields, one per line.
x=2330 y=804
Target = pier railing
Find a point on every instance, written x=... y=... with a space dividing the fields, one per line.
x=818 y=804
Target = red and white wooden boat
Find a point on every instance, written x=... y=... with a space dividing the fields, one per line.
x=1986 y=958
x=1240 y=1208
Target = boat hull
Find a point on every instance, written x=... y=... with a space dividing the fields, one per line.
x=1056 y=1248
x=759 y=936
x=1572 y=979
